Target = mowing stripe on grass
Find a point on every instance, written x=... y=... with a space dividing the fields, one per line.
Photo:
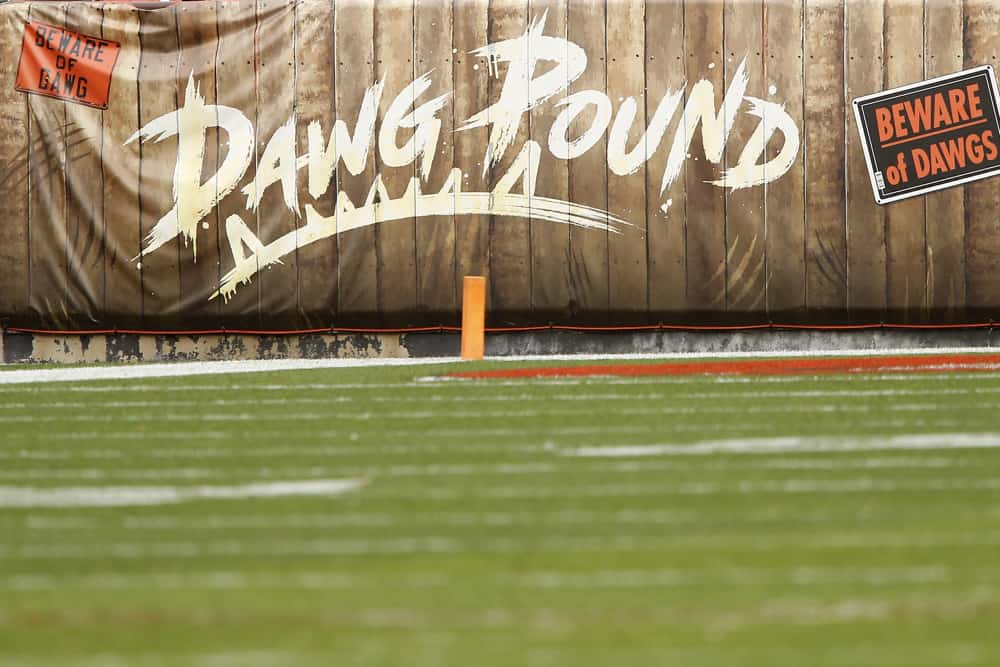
x=132 y=496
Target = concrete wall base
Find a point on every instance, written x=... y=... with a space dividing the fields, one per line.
x=37 y=348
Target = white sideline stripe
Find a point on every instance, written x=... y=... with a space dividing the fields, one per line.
x=429 y=387
x=146 y=496
x=181 y=369
x=186 y=369
x=796 y=444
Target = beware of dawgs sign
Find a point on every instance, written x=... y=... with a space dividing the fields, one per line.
x=931 y=135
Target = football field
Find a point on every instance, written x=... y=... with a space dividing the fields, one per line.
x=393 y=515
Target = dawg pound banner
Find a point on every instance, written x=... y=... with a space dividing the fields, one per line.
x=282 y=165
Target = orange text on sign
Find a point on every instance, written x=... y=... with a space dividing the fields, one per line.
x=926 y=115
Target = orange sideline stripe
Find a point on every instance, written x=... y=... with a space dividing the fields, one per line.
x=797 y=366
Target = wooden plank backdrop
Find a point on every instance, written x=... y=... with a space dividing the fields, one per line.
x=811 y=246
x=235 y=86
x=666 y=212
x=85 y=221
x=905 y=231
x=158 y=95
x=982 y=199
x=436 y=287
x=14 y=167
x=509 y=287
x=784 y=199
x=315 y=102
x=706 y=204
x=866 y=248
x=395 y=35
x=275 y=52
x=550 y=258
x=201 y=260
x=120 y=172
x=627 y=261
x=945 y=210
x=746 y=268
x=47 y=135
x=824 y=135
x=358 y=292
x=588 y=174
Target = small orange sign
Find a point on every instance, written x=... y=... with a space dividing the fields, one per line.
x=67 y=65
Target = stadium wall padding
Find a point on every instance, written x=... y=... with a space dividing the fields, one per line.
x=371 y=154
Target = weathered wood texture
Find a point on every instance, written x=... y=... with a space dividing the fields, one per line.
x=588 y=174
x=160 y=269
x=120 y=173
x=866 y=250
x=14 y=172
x=982 y=199
x=648 y=122
x=785 y=217
x=48 y=135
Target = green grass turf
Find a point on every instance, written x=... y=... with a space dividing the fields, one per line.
x=476 y=542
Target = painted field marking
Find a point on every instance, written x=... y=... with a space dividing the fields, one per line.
x=187 y=369
x=438 y=384
x=184 y=369
x=795 y=445
x=792 y=366
x=131 y=496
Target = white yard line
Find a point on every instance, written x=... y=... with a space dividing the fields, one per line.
x=489 y=385
x=915 y=442
x=182 y=369
x=186 y=369
x=164 y=495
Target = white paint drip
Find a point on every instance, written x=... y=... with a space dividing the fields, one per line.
x=147 y=496
x=795 y=445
